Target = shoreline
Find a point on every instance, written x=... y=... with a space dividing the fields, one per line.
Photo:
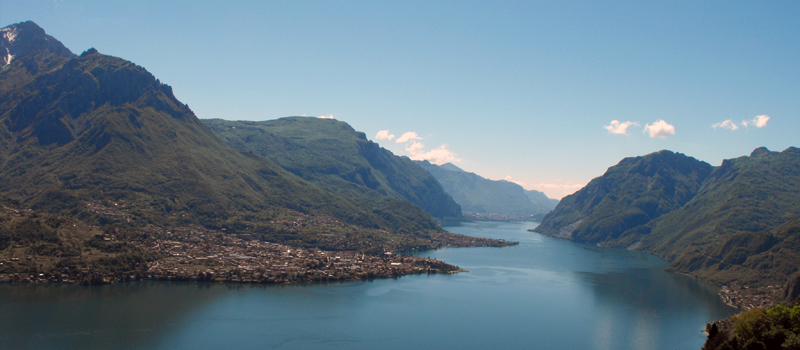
x=740 y=297
x=232 y=259
x=89 y=255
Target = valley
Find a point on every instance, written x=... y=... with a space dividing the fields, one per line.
x=107 y=177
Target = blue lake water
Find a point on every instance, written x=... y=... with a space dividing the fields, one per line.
x=545 y=293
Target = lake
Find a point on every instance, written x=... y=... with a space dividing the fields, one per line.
x=546 y=293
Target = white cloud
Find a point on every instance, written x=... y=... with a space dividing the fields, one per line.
x=760 y=121
x=660 y=129
x=326 y=117
x=415 y=148
x=728 y=124
x=384 y=135
x=618 y=128
x=411 y=135
x=436 y=156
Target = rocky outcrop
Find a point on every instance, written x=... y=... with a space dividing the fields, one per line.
x=26 y=39
x=792 y=290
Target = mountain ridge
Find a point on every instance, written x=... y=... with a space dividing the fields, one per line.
x=644 y=188
x=735 y=224
x=24 y=39
x=332 y=154
x=483 y=197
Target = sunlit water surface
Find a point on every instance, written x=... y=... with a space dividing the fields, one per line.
x=545 y=293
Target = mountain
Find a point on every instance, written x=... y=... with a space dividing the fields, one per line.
x=737 y=223
x=100 y=139
x=743 y=224
x=26 y=40
x=93 y=127
x=105 y=175
x=628 y=196
x=541 y=203
x=334 y=156
x=478 y=195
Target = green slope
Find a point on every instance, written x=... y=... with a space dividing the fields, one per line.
x=627 y=197
x=742 y=226
x=98 y=127
x=479 y=195
x=736 y=223
x=332 y=155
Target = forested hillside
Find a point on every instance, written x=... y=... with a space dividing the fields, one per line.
x=735 y=223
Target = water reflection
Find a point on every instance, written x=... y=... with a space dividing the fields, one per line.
x=76 y=317
x=630 y=301
x=637 y=304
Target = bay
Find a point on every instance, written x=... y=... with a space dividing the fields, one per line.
x=546 y=293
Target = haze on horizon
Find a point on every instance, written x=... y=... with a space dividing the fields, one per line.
x=548 y=95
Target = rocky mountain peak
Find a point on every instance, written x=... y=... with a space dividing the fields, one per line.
x=760 y=152
x=90 y=51
x=26 y=39
x=451 y=167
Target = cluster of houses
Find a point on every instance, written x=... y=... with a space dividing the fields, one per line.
x=195 y=253
x=215 y=256
x=741 y=297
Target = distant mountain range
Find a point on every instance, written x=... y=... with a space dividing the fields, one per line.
x=484 y=197
x=100 y=140
x=738 y=223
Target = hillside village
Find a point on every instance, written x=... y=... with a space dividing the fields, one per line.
x=196 y=253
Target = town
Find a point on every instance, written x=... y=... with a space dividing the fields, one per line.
x=237 y=260
x=214 y=256
x=103 y=255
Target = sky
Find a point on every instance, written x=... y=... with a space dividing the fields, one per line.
x=548 y=94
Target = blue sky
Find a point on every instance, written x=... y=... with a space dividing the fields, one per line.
x=525 y=91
